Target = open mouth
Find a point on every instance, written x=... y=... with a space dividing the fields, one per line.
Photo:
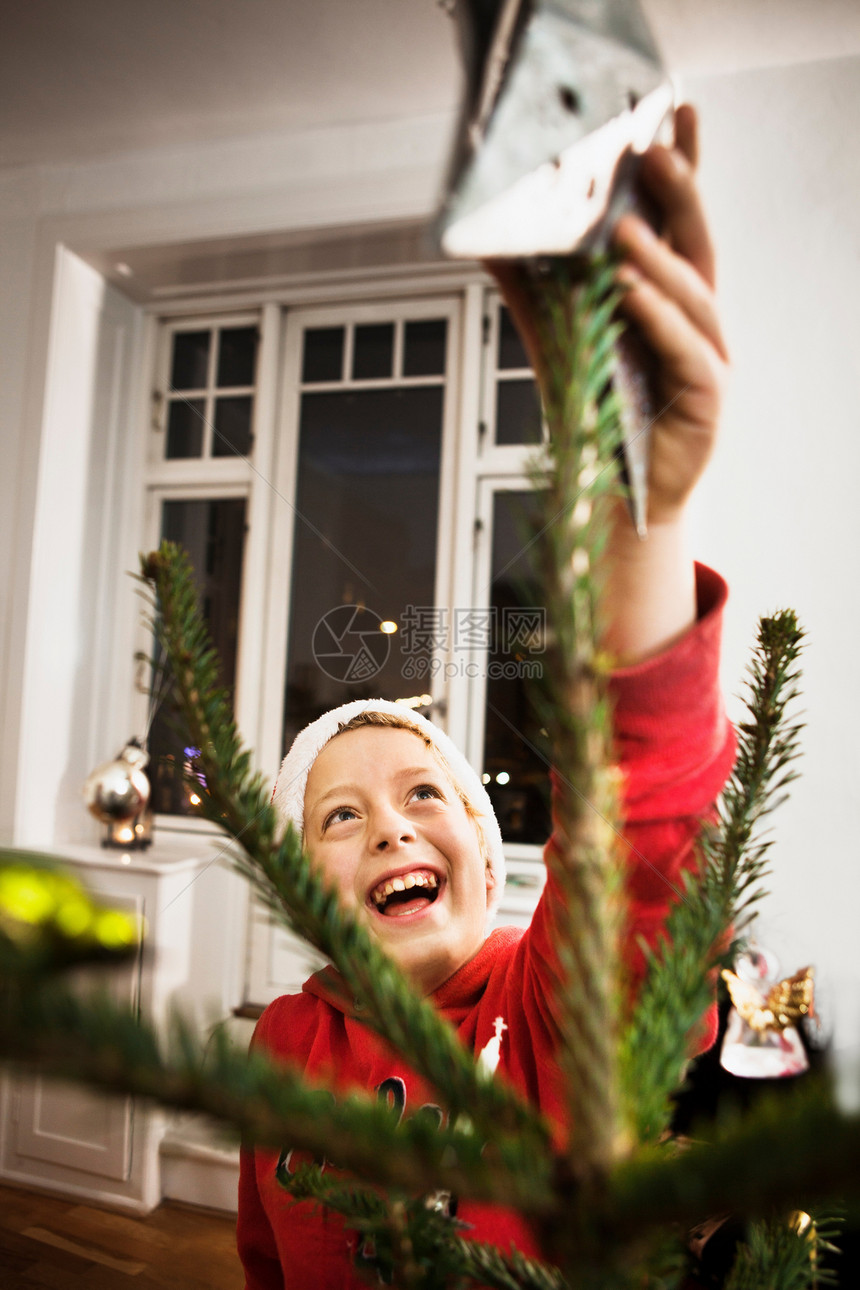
x=407 y=894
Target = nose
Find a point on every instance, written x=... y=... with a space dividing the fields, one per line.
x=391 y=830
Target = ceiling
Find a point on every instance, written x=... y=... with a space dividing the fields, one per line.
x=94 y=78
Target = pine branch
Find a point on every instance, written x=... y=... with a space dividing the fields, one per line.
x=107 y=1046
x=407 y=1240
x=236 y=799
x=566 y=321
x=488 y=1266
x=786 y=1255
x=679 y=984
x=793 y=1151
x=767 y=748
x=440 y=1256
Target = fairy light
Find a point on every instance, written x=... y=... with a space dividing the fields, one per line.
x=416 y=701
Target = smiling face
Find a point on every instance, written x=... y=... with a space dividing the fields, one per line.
x=387 y=827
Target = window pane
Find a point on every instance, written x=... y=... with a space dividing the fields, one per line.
x=373 y=351
x=323 y=354
x=518 y=412
x=424 y=347
x=365 y=548
x=237 y=351
x=185 y=421
x=511 y=350
x=518 y=783
x=190 y=360
x=232 y=435
x=213 y=534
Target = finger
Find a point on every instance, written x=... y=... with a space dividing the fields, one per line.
x=674 y=276
x=668 y=176
x=692 y=370
x=687 y=132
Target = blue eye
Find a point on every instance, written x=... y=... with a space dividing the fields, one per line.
x=340 y=816
x=427 y=789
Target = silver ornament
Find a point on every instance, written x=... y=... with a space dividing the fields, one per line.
x=119 y=789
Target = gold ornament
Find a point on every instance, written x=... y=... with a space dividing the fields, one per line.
x=785 y=1003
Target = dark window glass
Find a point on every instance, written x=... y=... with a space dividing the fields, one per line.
x=511 y=349
x=365 y=548
x=323 y=354
x=373 y=351
x=190 y=365
x=515 y=752
x=424 y=347
x=185 y=421
x=237 y=352
x=518 y=412
x=232 y=433
x=213 y=533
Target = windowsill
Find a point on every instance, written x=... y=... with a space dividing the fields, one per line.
x=249 y=1011
x=165 y=855
x=182 y=825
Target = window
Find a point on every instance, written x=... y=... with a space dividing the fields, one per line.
x=515 y=753
x=209 y=395
x=517 y=411
x=370 y=411
x=345 y=477
x=199 y=482
x=212 y=530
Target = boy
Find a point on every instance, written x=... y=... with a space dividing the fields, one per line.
x=401 y=824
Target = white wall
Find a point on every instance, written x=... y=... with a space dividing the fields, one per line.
x=782 y=178
x=86 y=493
x=17 y=477
x=779 y=513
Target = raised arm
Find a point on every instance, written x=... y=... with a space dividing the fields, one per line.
x=650 y=596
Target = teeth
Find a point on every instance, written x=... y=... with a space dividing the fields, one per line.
x=420 y=878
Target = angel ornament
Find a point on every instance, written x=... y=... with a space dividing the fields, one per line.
x=761 y=1040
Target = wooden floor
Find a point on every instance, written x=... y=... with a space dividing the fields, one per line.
x=66 y=1245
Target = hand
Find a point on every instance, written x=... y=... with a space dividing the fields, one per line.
x=649 y=596
x=670 y=299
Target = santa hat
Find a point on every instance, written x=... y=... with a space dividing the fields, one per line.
x=289 y=794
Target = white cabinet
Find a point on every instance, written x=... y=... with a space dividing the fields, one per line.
x=107 y=1148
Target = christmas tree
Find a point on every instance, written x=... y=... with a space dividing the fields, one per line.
x=616 y=1205
x=620 y=1201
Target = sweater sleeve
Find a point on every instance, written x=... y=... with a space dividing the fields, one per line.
x=675 y=747
x=673 y=739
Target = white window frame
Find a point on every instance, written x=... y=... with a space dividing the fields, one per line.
x=498 y=458
x=473 y=467
x=200 y=478
x=179 y=470
x=350 y=314
x=488 y=487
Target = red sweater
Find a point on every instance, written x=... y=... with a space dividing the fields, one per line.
x=675 y=747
